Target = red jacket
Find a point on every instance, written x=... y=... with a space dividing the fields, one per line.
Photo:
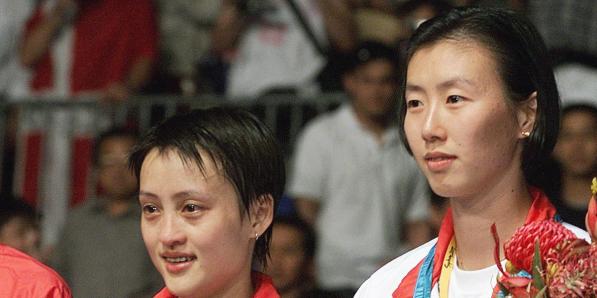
x=23 y=276
x=264 y=288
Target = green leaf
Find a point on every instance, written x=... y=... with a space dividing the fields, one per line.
x=503 y=289
x=537 y=267
x=542 y=293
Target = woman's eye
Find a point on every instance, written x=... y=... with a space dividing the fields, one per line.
x=454 y=99
x=149 y=209
x=191 y=208
x=413 y=103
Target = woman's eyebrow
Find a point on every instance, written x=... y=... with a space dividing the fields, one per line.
x=142 y=193
x=457 y=81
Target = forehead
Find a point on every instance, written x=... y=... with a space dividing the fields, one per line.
x=167 y=174
x=453 y=59
x=173 y=159
x=580 y=116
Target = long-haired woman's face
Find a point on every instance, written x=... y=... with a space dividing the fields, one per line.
x=462 y=130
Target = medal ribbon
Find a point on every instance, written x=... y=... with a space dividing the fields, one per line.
x=419 y=281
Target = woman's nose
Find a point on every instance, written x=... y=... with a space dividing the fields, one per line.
x=171 y=233
x=433 y=129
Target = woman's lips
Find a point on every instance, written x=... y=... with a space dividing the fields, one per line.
x=438 y=161
x=178 y=263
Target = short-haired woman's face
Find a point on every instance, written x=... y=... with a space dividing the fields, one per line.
x=192 y=226
x=463 y=133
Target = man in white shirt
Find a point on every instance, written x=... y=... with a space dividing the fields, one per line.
x=353 y=179
x=272 y=49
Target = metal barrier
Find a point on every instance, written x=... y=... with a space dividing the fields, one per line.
x=54 y=139
x=285 y=114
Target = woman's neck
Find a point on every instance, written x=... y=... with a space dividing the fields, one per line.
x=507 y=207
x=241 y=286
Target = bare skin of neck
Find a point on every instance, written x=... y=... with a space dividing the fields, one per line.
x=575 y=190
x=507 y=207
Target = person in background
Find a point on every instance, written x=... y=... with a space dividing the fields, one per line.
x=22 y=274
x=292 y=253
x=100 y=252
x=185 y=44
x=415 y=12
x=19 y=226
x=576 y=154
x=352 y=177
x=480 y=113
x=100 y=51
x=209 y=182
x=13 y=15
x=66 y=49
x=271 y=49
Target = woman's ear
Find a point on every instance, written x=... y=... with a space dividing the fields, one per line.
x=526 y=115
x=262 y=214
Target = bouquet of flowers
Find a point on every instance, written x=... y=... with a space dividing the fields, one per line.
x=545 y=259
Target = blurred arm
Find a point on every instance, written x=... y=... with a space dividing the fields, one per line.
x=37 y=42
x=138 y=76
x=228 y=27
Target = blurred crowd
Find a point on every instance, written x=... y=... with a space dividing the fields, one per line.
x=355 y=198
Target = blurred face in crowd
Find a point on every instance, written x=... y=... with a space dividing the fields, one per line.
x=21 y=234
x=462 y=130
x=289 y=261
x=193 y=227
x=576 y=149
x=115 y=178
x=372 y=87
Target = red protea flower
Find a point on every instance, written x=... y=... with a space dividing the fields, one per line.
x=576 y=273
x=520 y=248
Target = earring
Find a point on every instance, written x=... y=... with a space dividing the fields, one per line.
x=256 y=236
x=526 y=134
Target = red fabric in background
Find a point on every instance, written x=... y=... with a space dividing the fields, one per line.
x=81 y=168
x=109 y=37
x=33 y=158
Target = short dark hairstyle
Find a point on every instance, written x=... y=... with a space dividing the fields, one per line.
x=368 y=51
x=241 y=145
x=408 y=7
x=309 y=240
x=523 y=65
x=114 y=132
x=11 y=207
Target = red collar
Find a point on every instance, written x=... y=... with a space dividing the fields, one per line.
x=541 y=209
x=264 y=287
